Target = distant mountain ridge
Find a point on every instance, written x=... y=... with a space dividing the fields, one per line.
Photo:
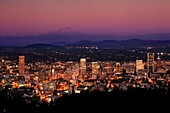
x=122 y=43
x=67 y=36
x=108 y=44
x=40 y=46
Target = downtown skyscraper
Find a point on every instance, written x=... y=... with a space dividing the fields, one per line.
x=21 y=65
x=150 y=62
x=82 y=67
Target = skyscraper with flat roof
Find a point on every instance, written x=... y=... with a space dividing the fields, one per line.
x=150 y=62
x=21 y=65
x=95 y=69
x=139 y=65
x=82 y=67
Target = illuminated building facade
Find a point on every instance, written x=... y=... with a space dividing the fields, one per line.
x=74 y=76
x=21 y=65
x=150 y=62
x=82 y=67
x=95 y=68
x=130 y=68
x=158 y=66
x=118 y=68
x=75 y=73
x=139 y=65
x=52 y=72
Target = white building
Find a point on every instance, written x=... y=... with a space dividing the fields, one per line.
x=82 y=67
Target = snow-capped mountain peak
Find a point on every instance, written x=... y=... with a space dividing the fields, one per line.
x=65 y=29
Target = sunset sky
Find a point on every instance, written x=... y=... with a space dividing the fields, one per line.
x=112 y=17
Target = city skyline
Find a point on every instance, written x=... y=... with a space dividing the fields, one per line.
x=84 y=56
x=50 y=76
x=111 y=17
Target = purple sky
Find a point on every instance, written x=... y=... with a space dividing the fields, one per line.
x=112 y=17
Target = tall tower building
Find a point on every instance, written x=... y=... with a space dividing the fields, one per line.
x=21 y=65
x=139 y=65
x=150 y=62
x=95 y=69
x=82 y=67
x=158 y=66
x=118 y=67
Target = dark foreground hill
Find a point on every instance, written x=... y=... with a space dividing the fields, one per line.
x=131 y=101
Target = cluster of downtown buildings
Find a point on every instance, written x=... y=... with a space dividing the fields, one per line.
x=53 y=80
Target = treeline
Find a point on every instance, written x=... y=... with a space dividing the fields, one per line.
x=135 y=100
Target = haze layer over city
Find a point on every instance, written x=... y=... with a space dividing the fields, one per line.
x=84 y=56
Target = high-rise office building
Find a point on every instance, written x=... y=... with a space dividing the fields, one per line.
x=21 y=65
x=82 y=67
x=139 y=65
x=150 y=62
x=75 y=76
x=158 y=66
x=95 y=69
